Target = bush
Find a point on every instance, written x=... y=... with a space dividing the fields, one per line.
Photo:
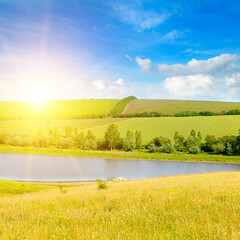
x=194 y=150
x=102 y=184
x=152 y=148
x=168 y=148
x=219 y=148
x=206 y=113
x=17 y=141
x=118 y=179
x=234 y=112
x=65 y=143
x=186 y=114
x=42 y=141
x=27 y=141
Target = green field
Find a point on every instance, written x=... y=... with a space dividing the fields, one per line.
x=55 y=109
x=170 y=107
x=203 y=206
x=150 y=127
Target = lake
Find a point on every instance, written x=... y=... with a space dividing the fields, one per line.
x=27 y=167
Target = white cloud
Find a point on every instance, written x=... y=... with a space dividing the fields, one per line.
x=127 y=56
x=144 y=64
x=222 y=63
x=216 y=78
x=141 y=19
x=233 y=80
x=175 y=34
x=188 y=85
x=107 y=85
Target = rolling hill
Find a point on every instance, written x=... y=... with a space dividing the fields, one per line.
x=59 y=109
x=150 y=127
x=171 y=107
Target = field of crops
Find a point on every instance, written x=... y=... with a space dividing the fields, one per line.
x=55 y=109
x=150 y=127
x=170 y=107
x=204 y=206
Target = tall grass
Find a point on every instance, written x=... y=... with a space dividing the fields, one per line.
x=202 y=206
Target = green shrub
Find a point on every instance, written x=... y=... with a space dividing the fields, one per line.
x=102 y=184
x=194 y=150
x=219 y=148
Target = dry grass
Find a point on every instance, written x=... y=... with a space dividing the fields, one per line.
x=202 y=206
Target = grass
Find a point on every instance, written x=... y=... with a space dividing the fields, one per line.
x=167 y=126
x=150 y=127
x=170 y=107
x=55 y=109
x=8 y=188
x=120 y=106
x=121 y=154
x=203 y=206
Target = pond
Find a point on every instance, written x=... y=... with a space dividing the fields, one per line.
x=27 y=167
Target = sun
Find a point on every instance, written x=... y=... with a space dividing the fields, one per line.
x=37 y=97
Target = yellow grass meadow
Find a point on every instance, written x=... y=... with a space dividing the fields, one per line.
x=203 y=206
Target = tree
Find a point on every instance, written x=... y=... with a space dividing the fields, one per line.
x=193 y=133
x=90 y=135
x=128 y=141
x=68 y=131
x=50 y=131
x=112 y=136
x=138 y=139
x=55 y=132
x=199 y=135
x=80 y=140
x=75 y=131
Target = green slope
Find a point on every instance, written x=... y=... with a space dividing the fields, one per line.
x=170 y=107
x=150 y=127
x=167 y=126
x=55 y=109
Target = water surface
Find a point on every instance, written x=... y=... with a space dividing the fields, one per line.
x=28 y=167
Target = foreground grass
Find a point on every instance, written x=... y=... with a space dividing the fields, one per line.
x=120 y=154
x=204 y=206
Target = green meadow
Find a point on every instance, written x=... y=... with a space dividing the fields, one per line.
x=150 y=127
x=60 y=109
x=171 y=107
x=202 y=206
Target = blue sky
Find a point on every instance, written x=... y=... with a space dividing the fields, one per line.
x=69 y=49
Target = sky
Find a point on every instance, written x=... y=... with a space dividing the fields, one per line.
x=162 y=49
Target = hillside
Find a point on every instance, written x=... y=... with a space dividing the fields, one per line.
x=59 y=109
x=150 y=127
x=171 y=107
x=203 y=206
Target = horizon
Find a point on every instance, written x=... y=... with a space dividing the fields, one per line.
x=53 y=50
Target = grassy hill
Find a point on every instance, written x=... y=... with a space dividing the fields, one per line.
x=150 y=127
x=55 y=109
x=171 y=107
x=204 y=206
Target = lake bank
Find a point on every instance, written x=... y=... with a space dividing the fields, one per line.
x=122 y=155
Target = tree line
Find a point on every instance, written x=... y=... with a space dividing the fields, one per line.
x=74 y=139
x=194 y=144
x=179 y=114
x=226 y=145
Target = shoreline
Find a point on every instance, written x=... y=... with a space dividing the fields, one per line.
x=116 y=155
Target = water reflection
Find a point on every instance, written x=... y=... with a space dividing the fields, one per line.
x=61 y=168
